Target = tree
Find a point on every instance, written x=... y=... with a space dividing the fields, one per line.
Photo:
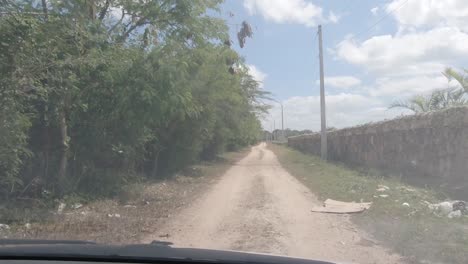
x=460 y=77
x=439 y=99
x=96 y=93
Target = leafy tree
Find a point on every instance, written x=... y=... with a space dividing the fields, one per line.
x=96 y=93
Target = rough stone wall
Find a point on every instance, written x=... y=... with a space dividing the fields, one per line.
x=425 y=149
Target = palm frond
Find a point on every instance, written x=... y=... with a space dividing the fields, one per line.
x=461 y=78
x=437 y=100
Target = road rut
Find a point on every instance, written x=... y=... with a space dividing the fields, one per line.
x=257 y=206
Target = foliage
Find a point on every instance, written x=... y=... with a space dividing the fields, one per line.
x=460 y=77
x=244 y=32
x=96 y=92
x=439 y=99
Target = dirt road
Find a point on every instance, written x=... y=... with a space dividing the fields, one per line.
x=258 y=206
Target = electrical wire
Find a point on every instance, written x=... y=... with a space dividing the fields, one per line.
x=381 y=19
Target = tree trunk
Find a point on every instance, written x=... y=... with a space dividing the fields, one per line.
x=154 y=171
x=103 y=12
x=91 y=6
x=44 y=9
x=46 y=145
x=63 y=147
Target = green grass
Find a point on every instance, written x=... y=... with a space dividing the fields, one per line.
x=414 y=232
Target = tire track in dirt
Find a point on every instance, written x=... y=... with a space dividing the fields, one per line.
x=258 y=206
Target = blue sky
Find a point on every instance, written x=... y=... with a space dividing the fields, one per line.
x=375 y=52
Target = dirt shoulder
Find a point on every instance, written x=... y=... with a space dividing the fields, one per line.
x=141 y=210
x=399 y=217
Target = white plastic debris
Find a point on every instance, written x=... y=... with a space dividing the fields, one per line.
x=445 y=208
x=383 y=195
x=407 y=189
x=61 y=207
x=130 y=206
x=450 y=209
x=339 y=207
x=27 y=226
x=77 y=206
x=454 y=214
x=382 y=188
x=405 y=204
x=113 y=215
x=4 y=226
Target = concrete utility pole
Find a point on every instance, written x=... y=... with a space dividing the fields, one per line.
x=274 y=128
x=282 y=122
x=323 y=136
x=282 y=119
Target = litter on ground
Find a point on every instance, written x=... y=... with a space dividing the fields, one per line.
x=113 y=215
x=77 y=206
x=451 y=209
x=338 y=207
x=61 y=207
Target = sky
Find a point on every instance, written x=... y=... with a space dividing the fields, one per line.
x=376 y=52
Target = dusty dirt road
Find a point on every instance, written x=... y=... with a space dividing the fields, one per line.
x=257 y=206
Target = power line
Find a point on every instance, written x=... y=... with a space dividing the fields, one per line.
x=381 y=19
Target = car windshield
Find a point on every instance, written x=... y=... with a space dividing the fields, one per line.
x=326 y=130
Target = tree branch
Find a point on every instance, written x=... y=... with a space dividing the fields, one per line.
x=140 y=22
x=104 y=10
x=118 y=23
x=44 y=9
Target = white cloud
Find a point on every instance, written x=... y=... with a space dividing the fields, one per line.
x=258 y=75
x=343 y=110
x=404 y=87
x=419 y=52
x=341 y=81
x=333 y=18
x=430 y=38
x=430 y=13
x=290 y=11
x=374 y=10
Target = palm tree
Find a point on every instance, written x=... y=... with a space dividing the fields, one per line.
x=439 y=99
x=461 y=78
x=417 y=104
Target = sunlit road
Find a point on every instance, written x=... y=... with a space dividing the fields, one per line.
x=258 y=206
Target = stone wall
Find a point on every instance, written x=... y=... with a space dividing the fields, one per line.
x=424 y=149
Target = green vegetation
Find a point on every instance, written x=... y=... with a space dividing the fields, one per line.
x=439 y=99
x=96 y=93
x=143 y=207
x=413 y=231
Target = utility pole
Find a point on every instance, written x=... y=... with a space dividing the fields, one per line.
x=323 y=135
x=282 y=122
x=274 y=128
x=282 y=119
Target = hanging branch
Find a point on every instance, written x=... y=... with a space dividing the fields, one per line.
x=245 y=32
